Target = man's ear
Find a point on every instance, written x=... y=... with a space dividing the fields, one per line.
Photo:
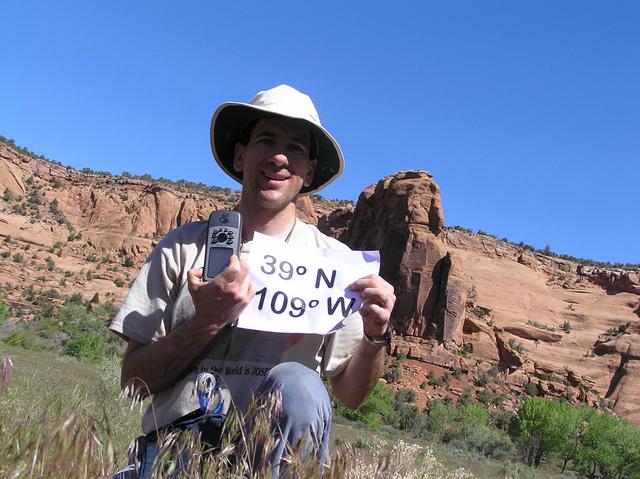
x=311 y=170
x=238 y=157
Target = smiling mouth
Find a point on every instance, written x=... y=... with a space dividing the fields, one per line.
x=274 y=176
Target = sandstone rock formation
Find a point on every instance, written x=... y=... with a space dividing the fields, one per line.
x=612 y=280
x=537 y=317
x=336 y=223
x=402 y=217
x=519 y=292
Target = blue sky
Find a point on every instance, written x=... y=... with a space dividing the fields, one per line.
x=526 y=113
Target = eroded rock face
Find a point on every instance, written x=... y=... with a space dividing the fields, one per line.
x=612 y=280
x=305 y=211
x=10 y=175
x=624 y=388
x=402 y=217
x=336 y=223
x=533 y=334
x=482 y=338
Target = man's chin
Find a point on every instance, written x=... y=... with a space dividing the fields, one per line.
x=273 y=199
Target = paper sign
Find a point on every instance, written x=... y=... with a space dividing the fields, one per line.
x=303 y=290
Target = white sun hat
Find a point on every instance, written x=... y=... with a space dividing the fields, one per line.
x=230 y=118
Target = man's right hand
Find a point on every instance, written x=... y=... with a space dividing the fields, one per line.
x=157 y=365
x=220 y=301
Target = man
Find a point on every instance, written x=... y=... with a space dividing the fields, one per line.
x=178 y=325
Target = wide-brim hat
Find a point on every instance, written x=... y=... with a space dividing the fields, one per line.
x=229 y=119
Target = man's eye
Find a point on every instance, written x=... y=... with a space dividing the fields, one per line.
x=264 y=141
x=296 y=148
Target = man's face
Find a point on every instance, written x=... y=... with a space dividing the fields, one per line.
x=275 y=163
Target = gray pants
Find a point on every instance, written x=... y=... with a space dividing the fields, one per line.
x=306 y=411
x=305 y=418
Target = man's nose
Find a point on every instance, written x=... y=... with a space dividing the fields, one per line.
x=279 y=159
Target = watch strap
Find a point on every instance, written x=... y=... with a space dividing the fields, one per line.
x=385 y=340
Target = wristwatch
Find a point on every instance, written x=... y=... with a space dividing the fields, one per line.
x=385 y=340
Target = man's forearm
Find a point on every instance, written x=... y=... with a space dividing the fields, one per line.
x=357 y=380
x=150 y=368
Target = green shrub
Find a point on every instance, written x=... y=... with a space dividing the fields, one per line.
x=435 y=380
x=3 y=311
x=404 y=395
x=466 y=397
x=501 y=419
x=531 y=389
x=538 y=325
x=403 y=416
x=34 y=197
x=485 y=397
x=75 y=298
x=22 y=339
x=373 y=409
x=393 y=373
x=46 y=328
x=438 y=418
x=85 y=346
x=489 y=442
x=483 y=379
x=7 y=195
x=53 y=207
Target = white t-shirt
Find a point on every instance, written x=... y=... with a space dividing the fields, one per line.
x=159 y=301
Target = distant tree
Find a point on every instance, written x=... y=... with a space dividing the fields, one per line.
x=608 y=447
x=541 y=428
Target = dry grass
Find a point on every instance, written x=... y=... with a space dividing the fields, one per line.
x=61 y=418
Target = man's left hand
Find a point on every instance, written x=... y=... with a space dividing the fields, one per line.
x=377 y=303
